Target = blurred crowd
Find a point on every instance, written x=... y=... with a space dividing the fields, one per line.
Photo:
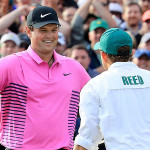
x=82 y=24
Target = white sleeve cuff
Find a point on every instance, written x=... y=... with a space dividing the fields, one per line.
x=86 y=143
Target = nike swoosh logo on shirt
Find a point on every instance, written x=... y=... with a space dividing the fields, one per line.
x=42 y=16
x=66 y=74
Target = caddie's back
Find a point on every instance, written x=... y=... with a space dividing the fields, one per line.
x=124 y=96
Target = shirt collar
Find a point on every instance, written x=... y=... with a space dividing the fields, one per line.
x=122 y=65
x=37 y=58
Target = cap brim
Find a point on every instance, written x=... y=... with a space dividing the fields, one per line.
x=138 y=55
x=97 y=46
x=41 y=24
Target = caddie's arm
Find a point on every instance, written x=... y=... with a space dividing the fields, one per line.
x=89 y=132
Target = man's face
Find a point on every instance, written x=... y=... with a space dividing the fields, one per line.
x=60 y=48
x=44 y=39
x=82 y=57
x=142 y=62
x=68 y=14
x=95 y=35
x=132 y=15
x=60 y=5
x=145 y=5
x=8 y=48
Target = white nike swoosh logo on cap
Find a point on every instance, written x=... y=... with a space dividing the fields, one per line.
x=42 y=16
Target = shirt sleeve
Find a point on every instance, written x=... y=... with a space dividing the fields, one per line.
x=84 y=78
x=89 y=133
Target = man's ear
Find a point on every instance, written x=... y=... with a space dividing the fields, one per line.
x=104 y=56
x=28 y=31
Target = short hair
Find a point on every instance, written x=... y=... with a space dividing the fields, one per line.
x=133 y=40
x=90 y=15
x=122 y=56
x=131 y=3
x=80 y=47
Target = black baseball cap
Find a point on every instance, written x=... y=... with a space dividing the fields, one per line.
x=41 y=16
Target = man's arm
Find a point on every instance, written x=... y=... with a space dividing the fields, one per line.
x=78 y=147
x=89 y=132
x=84 y=9
x=77 y=31
x=107 y=15
x=7 y=20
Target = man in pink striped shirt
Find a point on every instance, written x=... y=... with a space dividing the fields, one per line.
x=40 y=90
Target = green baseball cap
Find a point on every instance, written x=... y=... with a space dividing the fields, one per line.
x=113 y=39
x=98 y=23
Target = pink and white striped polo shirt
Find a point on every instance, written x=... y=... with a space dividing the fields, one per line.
x=39 y=104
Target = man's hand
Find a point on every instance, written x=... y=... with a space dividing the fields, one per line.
x=24 y=10
x=53 y=4
x=99 y=2
x=50 y=3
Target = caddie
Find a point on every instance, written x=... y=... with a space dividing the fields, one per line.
x=115 y=103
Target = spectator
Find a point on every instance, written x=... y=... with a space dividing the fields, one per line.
x=146 y=23
x=67 y=52
x=24 y=41
x=145 y=41
x=77 y=24
x=80 y=53
x=142 y=58
x=68 y=14
x=9 y=19
x=132 y=16
x=97 y=28
x=116 y=11
x=86 y=25
x=134 y=47
x=5 y=7
x=144 y=4
x=63 y=4
x=9 y=44
x=61 y=44
x=40 y=89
